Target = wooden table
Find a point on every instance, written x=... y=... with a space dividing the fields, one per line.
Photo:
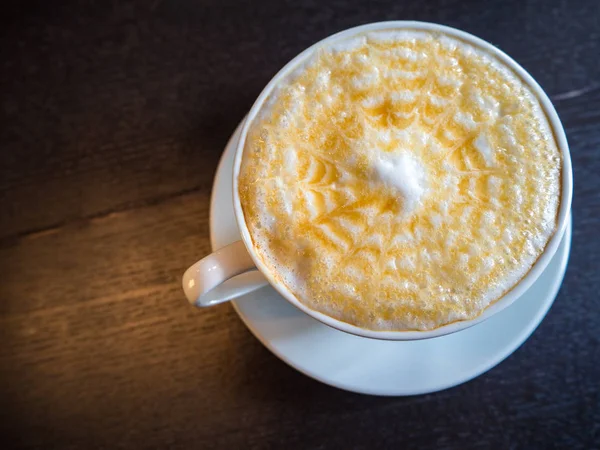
x=113 y=119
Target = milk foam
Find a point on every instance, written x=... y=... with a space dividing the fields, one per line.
x=403 y=172
x=483 y=147
x=400 y=180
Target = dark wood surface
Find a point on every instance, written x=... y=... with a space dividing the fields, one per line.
x=113 y=118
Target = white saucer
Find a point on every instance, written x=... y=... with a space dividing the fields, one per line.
x=371 y=366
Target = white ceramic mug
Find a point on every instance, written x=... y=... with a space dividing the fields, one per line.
x=203 y=282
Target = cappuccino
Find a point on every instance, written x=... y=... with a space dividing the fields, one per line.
x=400 y=180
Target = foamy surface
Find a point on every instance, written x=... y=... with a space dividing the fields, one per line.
x=400 y=180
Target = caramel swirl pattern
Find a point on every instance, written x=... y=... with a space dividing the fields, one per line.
x=400 y=180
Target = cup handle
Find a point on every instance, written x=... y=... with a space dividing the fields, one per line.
x=204 y=282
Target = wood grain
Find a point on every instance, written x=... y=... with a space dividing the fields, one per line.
x=113 y=120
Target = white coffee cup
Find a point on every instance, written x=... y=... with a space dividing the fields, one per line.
x=203 y=282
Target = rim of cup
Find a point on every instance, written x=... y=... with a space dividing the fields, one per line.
x=520 y=287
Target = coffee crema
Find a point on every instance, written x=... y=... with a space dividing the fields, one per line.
x=400 y=180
